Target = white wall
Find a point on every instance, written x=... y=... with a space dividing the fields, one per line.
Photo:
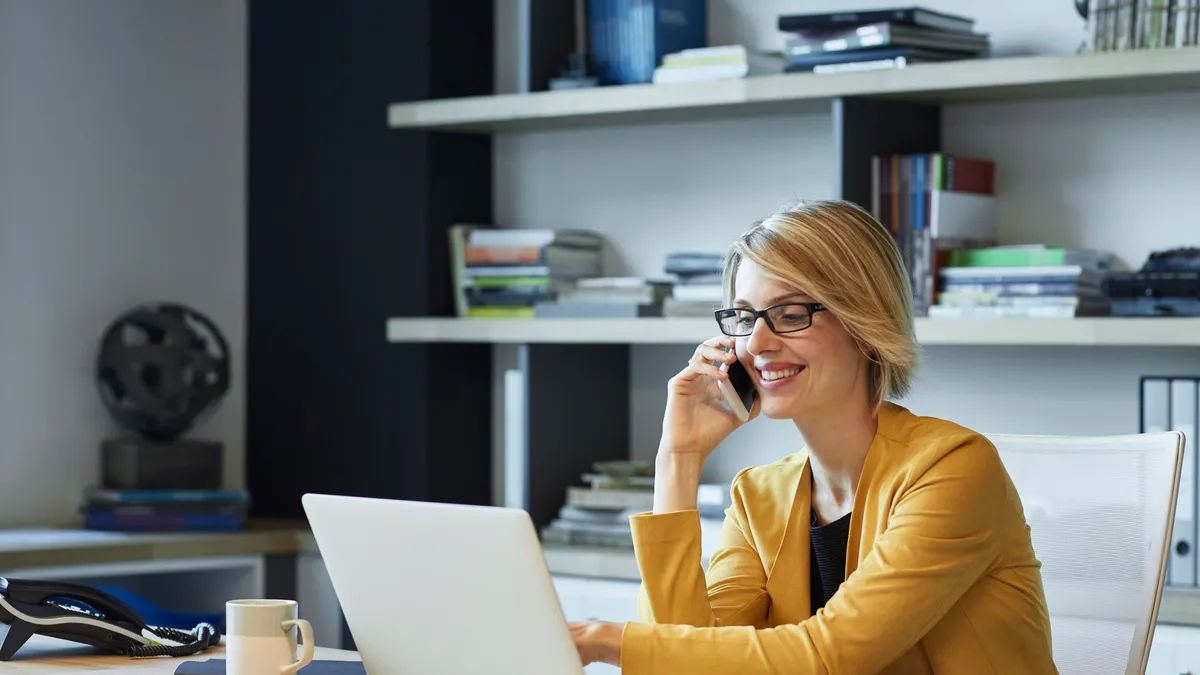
x=1114 y=173
x=121 y=181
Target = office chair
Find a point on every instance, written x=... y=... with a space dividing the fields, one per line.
x=1100 y=511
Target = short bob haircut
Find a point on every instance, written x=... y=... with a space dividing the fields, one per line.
x=844 y=259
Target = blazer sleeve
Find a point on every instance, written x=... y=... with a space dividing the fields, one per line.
x=940 y=539
x=675 y=589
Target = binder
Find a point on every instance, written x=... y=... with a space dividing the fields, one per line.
x=1173 y=404
x=1182 y=569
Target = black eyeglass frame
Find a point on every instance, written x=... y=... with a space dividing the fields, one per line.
x=812 y=307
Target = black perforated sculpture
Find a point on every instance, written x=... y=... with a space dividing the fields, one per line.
x=161 y=369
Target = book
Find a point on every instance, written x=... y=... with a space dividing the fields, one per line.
x=932 y=204
x=571 y=309
x=525 y=312
x=533 y=238
x=703 y=64
x=1003 y=311
x=913 y=16
x=514 y=296
x=153 y=521
x=1076 y=274
x=458 y=235
x=101 y=495
x=808 y=62
x=879 y=35
x=609 y=499
x=1030 y=255
x=1015 y=288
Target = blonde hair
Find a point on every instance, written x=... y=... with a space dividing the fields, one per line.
x=841 y=256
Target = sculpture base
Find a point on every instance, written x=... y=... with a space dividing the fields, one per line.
x=138 y=464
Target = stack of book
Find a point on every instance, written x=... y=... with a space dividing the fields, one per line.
x=1023 y=281
x=697 y=284
x=165 y=510
x=877 y=39
x=933 y=204
x=597 y=513
x=703 y=64
x=505 y=273
x=608 y=297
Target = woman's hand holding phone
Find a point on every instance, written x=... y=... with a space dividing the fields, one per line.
x=696 y=419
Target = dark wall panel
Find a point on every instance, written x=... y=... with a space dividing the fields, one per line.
x=865 y=127
x=347 y=224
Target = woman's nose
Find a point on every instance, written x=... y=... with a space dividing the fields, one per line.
x=762 y=338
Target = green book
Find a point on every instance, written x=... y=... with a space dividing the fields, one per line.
x=510 y=282
x=1025 y=257
x=500 y=312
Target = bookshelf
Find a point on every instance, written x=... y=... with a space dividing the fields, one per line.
x=549 y=428
x=864 y=114
x=1080 y=332
x=1007 y=78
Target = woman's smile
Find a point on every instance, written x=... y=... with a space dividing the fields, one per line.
x=777 y=374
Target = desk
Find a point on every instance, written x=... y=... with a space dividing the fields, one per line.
x=52 y=547
x=47 y=656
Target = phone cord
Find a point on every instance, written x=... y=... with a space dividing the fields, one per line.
x=201 y=638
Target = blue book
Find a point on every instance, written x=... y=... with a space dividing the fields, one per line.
x=103 y=496
x=628 y=38
x=164 y=522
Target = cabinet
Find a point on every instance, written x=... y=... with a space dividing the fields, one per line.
x=585 y=599
x=1175 y=651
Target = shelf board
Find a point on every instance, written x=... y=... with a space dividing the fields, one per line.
x=1102 y=331
x=1002 y=78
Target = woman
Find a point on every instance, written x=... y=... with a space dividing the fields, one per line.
x=891 y=543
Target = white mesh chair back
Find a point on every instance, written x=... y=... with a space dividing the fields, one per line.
x=1100 y=511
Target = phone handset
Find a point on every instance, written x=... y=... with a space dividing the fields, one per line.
x=738 y=390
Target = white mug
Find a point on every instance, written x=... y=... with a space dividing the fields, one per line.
x=260 y=638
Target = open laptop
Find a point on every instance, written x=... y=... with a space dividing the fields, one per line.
x=441 y=588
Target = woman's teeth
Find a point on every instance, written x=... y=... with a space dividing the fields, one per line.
x=779 y=374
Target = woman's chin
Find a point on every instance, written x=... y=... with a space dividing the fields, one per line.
x=776 y=409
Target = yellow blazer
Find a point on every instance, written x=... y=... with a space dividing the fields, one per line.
x=941 y=576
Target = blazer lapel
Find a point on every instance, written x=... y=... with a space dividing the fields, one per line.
x=788 y=577
x=875 y=455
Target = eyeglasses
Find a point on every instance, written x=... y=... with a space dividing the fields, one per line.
x=786 y=318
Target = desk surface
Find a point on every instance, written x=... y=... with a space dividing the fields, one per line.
x=47 y=656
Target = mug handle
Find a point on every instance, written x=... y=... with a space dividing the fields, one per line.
x=306 y=656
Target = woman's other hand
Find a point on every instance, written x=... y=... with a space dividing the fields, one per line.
x=598 y=641
x=696 y=420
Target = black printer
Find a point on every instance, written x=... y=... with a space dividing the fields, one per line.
x=1168 y=284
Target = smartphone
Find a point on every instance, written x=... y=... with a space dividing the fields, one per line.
x=738 y=390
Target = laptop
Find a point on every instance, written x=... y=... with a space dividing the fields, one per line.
x=442 y=588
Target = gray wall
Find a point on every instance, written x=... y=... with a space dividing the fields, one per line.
x=122 y=130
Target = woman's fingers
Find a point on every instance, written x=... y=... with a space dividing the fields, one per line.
x=705 y=368
x=714 y=350
x=714 y=354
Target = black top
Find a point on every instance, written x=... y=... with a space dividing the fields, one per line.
x=828 y=559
